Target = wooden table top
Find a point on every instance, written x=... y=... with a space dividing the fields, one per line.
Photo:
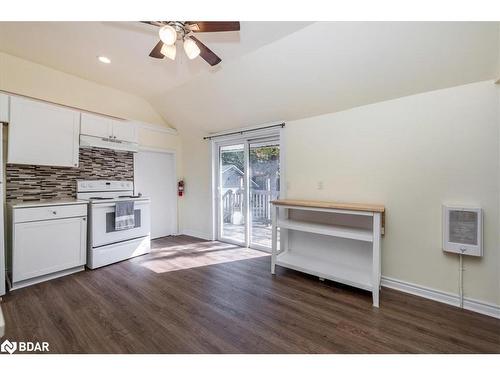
x=329 y=204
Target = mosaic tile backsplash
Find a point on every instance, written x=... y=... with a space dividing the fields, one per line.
x=33 y=182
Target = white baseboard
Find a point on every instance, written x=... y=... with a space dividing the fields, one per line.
x=440 y=296
x=195 y=233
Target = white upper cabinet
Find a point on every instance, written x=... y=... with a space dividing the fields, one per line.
x=4 y=108
x=124 y=131
x=42 y=134
x=108 y=128
x=97 y=126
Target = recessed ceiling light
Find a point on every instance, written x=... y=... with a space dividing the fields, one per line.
x=104 y=59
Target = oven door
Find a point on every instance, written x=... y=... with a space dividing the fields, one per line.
x=102 y=218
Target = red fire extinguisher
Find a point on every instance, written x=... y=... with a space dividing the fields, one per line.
x=180 y=188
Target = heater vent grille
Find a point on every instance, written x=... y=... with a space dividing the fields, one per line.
x=462 y=230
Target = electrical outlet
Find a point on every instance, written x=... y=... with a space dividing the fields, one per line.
x=320 y=185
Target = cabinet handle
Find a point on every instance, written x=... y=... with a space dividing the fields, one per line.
x=54 y=212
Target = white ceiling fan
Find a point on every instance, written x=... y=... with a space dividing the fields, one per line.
x=172 y=31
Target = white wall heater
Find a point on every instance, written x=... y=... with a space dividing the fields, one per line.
x=463 y=230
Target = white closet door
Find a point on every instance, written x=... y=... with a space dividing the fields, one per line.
x=154 y=176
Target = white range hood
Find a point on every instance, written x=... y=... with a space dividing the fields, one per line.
x=113 y=144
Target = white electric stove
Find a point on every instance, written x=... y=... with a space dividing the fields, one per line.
x=107 y=245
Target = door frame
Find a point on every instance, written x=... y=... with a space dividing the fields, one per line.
x=254 y=135
x=174 y=156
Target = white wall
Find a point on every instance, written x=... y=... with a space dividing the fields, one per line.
x=24 y=77
x=195 y=205
x=411 y=154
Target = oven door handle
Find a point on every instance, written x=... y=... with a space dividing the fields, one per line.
x=96 y=206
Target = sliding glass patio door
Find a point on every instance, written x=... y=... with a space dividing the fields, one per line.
x=248 y=179
x=264 y=163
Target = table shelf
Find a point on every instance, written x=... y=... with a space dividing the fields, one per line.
x=348 y=274
x=327 y=229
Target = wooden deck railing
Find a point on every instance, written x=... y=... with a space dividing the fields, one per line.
x=260 y=204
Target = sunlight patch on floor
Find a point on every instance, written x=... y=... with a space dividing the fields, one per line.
x=179 y=257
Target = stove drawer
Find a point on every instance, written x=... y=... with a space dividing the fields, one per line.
x=22 y=215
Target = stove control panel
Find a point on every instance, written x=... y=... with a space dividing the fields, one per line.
x=103 y=185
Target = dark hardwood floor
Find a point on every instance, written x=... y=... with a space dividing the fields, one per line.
x=193 y=296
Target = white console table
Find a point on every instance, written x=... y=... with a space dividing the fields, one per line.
x=354 y=260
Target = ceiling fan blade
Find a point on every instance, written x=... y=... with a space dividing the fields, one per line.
x=156 y=52
x=213 y=26
x=206 y=53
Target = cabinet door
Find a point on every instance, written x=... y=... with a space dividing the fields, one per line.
x=42 y=134
x=4 y=108
x=124 y=131
x=44 y=247
x=97 y=126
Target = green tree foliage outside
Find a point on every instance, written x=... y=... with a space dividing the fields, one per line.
x=264 y=164
x=260 y=155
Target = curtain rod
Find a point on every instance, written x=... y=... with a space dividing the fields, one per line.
x=241 y=132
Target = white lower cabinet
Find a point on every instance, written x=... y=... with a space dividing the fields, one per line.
x=46 y=247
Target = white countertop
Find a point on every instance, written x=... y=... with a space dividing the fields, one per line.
x=45 y=203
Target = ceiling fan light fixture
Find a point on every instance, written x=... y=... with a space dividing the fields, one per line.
x=168 y=35
x=168 y=51
x=191 y=49
x=104 y=59
x=185 y=31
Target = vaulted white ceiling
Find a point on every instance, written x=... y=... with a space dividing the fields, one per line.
x=72 y=47
x=271 y=70
x=333 y=66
